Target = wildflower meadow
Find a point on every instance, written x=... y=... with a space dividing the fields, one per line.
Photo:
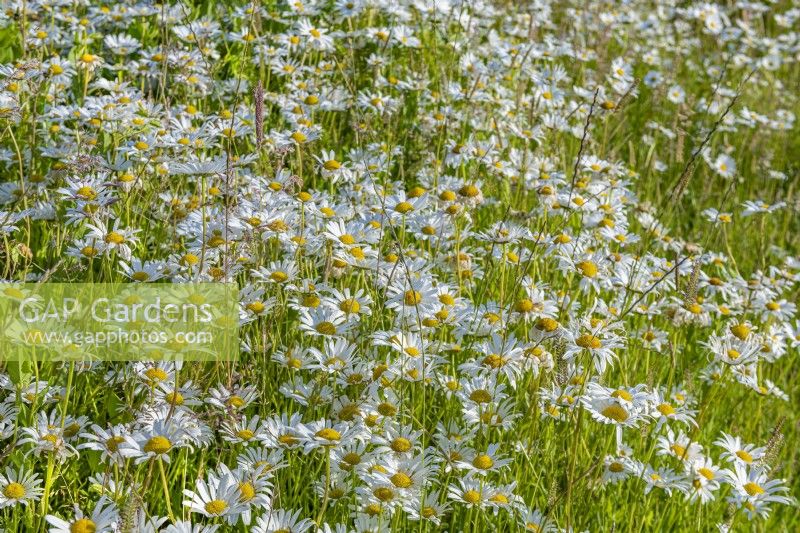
x=494 y=266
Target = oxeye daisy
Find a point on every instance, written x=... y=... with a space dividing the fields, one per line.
x=324 y=322
x=598 y=341
x=663 y=478
x=481 y=390
x=725 y=166
x=502 y=498
x=19 y=487
x=679 y=446
x=245 y=431
x=261 y=462
x=47 y=439
x=283 y=520
x=428 y=509
x=754 y=491
x=89 y=62
x=705 y=480
x=500 y=356
x=154 y=443
x=589 y=268
x=730 y=350
x=219 y=497
x=403 y=475
x=465 y=238
x=535 y=521
x=102 y=519
x=336 y=355
x=327 y=434
x=184 y=526
x=142 y=271
x=610 y=410
x=738 y=452
x=235 y=400
x=501 y=414
x=618 y=468
x=106 y=441
x=116 y=238
x=486 y=461
x=468 y=491
x=398 y=440
x=351 y=303
x=665 y=410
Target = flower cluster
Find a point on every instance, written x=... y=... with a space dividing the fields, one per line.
x=516 y=267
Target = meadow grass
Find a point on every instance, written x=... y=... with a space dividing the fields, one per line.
x=515 y=197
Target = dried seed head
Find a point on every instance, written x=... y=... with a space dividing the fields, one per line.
x=258 y=97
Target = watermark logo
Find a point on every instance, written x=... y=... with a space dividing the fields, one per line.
x=119 y=322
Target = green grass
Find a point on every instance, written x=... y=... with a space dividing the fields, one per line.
x=557 y=466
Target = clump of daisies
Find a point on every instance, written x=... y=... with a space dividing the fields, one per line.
x=528 y=268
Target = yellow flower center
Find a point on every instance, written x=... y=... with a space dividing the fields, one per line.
x=113 y=443
x=523 y=306
x=740 y=331
x=287 y=439
x=400 y=445
x=401 y=480
x=587 y=268
x=412 y=298
x=328 y=434
x=753 y=489
x=678 y=450
x=546 y=324
x=245 y=434
x=326 y=328
x=350 y=305
x=158 y=445
x=216 y=507
x=482 y=462
x=447 y=196
x=499 y=498
x=83 y=525
x=247 y=491
x=480 y=396
x=403 y=207
x=155 y=374
x=471 y=497
x=589 y=342
x=86 y=193
x=493 y=360
x=744 y=456
x=706 y=473
x=331 y=165
x=615 y=412
x=384 y=494
x=256 y=307
x=469 y=191
x=311 y=300
x=665 y=409
x=279 y=276
x=114 y=238
x=14 y=491
x=620 y=393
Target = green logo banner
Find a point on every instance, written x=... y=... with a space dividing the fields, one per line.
x=119 y=322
